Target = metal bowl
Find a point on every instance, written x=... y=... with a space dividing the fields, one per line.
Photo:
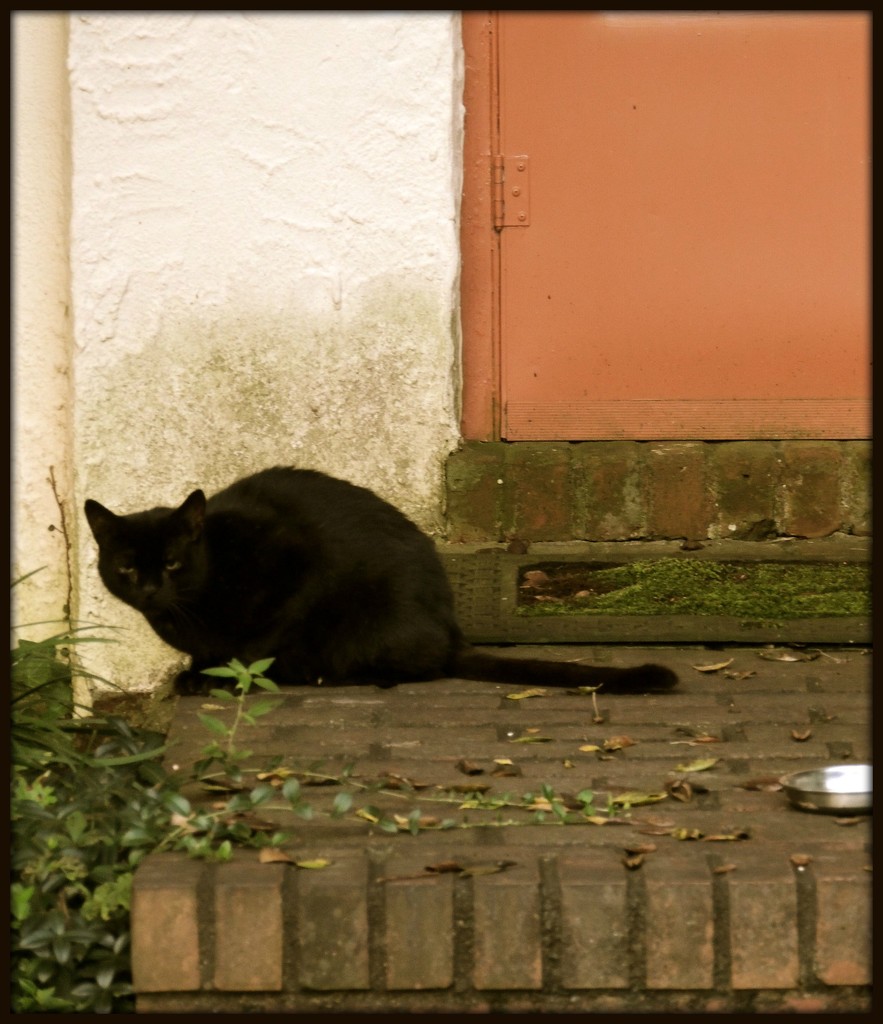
x=835 y=789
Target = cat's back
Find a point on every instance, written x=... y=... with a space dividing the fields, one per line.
x=314 y=501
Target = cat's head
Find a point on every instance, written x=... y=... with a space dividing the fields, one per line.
x=151 y=560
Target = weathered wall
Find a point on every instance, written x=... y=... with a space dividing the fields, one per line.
x=40 y=320
x=264 y=261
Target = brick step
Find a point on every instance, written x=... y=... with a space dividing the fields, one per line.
x=571 y=930
x=567 y=926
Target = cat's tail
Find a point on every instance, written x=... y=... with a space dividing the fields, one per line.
x=470 y=663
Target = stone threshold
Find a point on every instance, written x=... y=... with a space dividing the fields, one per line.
x=485 y=583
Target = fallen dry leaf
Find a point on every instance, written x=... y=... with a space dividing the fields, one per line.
x=444 y=867
x=635 y=798
x=469 y=787
x=618 y=742
x=633 y=861
x=657 y=821
x=747 y=674
x=701 y=764
x=800 y=860
x=680 y=789
x=271 y=855
x=785 y=655
x=723 y=869
x=686 y=833
x=393 y=781
x=312 y=865
x=469 y=767
x=850 y=821
x=714 y=668
x=486 y=869
x=723 y=837
x=766 y=784
x=801 y=735
x=640 y=848
x=531 y=739
x=588 y=748
x=537 y=691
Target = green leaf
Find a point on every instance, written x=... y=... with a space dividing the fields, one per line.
x=178 y=803
x=262 y=707
x=220 y=673
x=21 y=900
x=76 y=825
x=258 y=668
x=265 y=684
x=261 y=794
x=342 y=803
x=214 y=724
x=223 y=695
x=291 y=790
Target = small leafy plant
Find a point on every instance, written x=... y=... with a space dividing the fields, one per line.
x=89 y=800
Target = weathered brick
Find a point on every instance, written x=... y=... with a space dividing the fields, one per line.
x=332 y=930
x=843 y=920
x=474 y=492
x=763 y=922
x=594 y=922
x=855 y=488
x=810 y=491
x=607 y=494
x=745 y=480
x=506 y=911
x=679 y=919
x=248 y=926
x=679 y=502
x=419 y=929
x=537 y=494
x=165 y=927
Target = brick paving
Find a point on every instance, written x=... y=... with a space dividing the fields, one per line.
x=731 y=899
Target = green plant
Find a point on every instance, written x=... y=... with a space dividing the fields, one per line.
x=89 y=800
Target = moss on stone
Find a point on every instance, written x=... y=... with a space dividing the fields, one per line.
x=769 y=591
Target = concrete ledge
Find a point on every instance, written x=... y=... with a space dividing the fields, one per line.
x=485 y=583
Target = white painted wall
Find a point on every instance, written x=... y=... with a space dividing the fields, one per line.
x=41 y=382
x=264 y=263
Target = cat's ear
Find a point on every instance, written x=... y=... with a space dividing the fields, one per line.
x=100 y=519
x=192 y=513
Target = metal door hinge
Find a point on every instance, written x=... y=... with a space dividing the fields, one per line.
x=511 y=192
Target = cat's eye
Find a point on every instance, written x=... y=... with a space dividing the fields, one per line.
x=127 y=571
x=172 y=565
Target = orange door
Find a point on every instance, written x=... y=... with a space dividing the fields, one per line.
x=686 y=209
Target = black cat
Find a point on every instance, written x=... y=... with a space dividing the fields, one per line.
x=334 y=583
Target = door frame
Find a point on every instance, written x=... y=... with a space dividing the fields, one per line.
x=480 y=418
